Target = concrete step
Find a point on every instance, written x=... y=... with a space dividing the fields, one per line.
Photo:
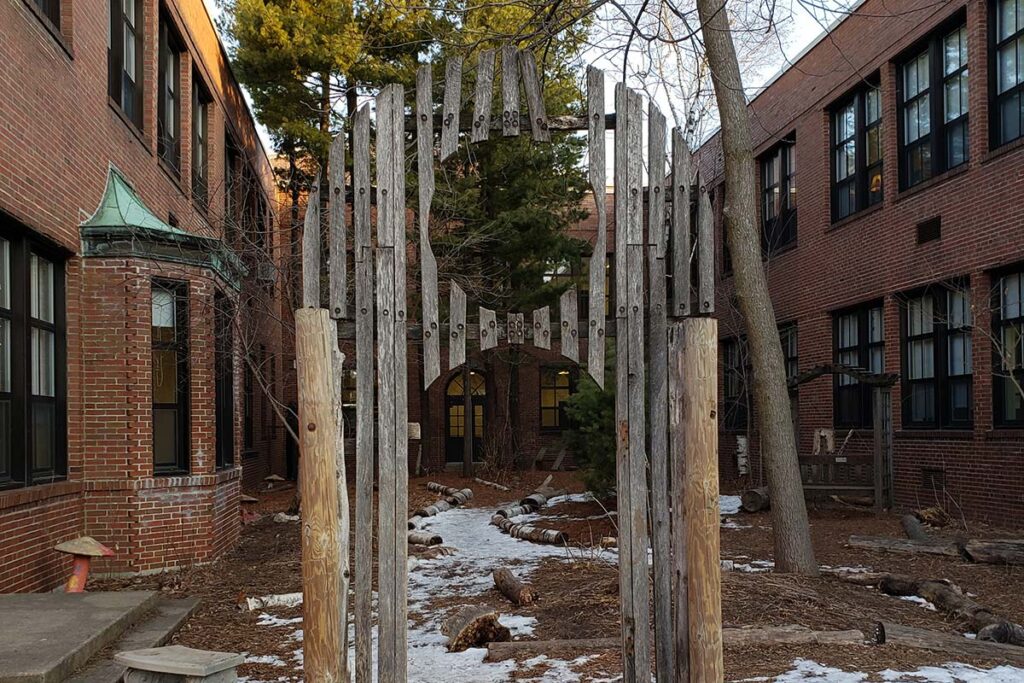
x=156 y=629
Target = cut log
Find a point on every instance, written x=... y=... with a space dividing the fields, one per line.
x=1007 y=551
x=430 y=552
x=854 y=501
x=512 y=588
x=502 y=522
x=424 y=538
x=947 y=644
x=540 y=497
x=754 y=500
x=491 y=484
x=472 y=627
x=460 y=497
x=414 y=522
x=441 y=488
x=914 y=529
x=904 y=545
x=431 y=510
x=514 y=511
x=537 y=534
x=609 y=542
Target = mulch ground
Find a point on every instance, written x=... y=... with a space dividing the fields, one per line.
x=579 y=594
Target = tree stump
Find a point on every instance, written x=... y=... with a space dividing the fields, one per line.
x=512 y=588
x=755 y=500
x=473 y=626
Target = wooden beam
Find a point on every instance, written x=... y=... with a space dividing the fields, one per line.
x=452 y=106
x=510 y=117
x=556 y=123
x=483 y=95
x=311 y=248
x=681 y=181
x=706 y=253
x=596 y=124
x=542 y=328
x=488 y=330
x=516 y=328
x=569 y=326
x=677 y=397
x=457 y=326
x=414 y=331
x=428 y=264
x=338 y=261
x=467 y=421
x=534 y=97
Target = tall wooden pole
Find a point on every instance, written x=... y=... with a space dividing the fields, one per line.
x=467 y=422
x=315 y=343
x=697 y=340
x=344 y=527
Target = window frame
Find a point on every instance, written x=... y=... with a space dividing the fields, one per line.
x=995 y=98
x=201 y=103
x=843 y=383
x=779 y=232
x=936 y=139
x=117 y=84
x=562 y=421
x=999 y=377
x=180 y=345
x=735 y=364
x=168 y=107
x=860 y=179
x=224 y=380
x=20 y=471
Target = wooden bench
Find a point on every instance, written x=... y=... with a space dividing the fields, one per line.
x=826 y=475
x=178 y=664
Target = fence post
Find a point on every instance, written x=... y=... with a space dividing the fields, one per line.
x=315 y=341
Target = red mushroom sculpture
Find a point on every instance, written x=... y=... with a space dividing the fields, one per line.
x=82 y=549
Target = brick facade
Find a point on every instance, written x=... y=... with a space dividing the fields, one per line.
x=61 y=133
x=875 y=254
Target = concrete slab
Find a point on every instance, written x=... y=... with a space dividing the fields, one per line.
x=181 y=660
x=44 y=637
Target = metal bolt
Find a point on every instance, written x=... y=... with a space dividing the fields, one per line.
x=311 y=427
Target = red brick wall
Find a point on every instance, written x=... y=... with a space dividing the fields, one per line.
x=874 y=254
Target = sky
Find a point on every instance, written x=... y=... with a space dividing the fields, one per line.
x=805 y=30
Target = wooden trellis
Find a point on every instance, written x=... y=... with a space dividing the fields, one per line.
x=665 y=347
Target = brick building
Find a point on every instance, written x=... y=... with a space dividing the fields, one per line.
x=136 y=259
x=902 y=132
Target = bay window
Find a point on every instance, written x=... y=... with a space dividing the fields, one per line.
x=170 y=377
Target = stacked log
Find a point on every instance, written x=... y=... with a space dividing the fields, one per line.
x=514 y=511
x=441 y=488
x=512 y=588
x=424 y=538
x=528 y=532
x=472 y=627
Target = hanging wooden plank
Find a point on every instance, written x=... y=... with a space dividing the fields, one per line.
x=706 y=252
x=657 y=387
x=621 y=196
x=634 y=176
x=542 y=328
x=428 y=264
x=567 y=310
x=623 y=492
x=484 y=94
x=488 y=329
x=516 y=328
x=365 y=376
x=452 y=104
x=681 y=181
x=457 y=327
x=509 y=91
x=598 y=261
x=311 y=248
x=344 y=525
x=338 y=259
x=534 y=96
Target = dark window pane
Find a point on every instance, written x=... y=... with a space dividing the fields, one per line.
x=165 y=437
x=165 y=376
x=960 y=403
x=5 y=438
x=44 y=436
x=922 y=402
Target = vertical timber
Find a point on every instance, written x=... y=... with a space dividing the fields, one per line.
x=509 y=91
x=681 y=181
x=570 y=336
x=311 y=248
x=483 y=96
x=598 y=261
x=450 y=108
x=338 y=260
x=428 y=264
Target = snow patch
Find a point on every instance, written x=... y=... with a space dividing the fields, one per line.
x=265 y=619
x=264 y=659
x=728 y=505
x=919 y=600
x=809 y=671
x=518 y=625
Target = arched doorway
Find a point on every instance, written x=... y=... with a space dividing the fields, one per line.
x=455 y=416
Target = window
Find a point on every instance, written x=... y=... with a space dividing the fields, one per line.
x=168 y=113
x=248 y=408
x=1008 y=327
x=736 y=372
x=268 y=368
x=33 y=434
x=556 y=386
x=49 y=9
x=1008 y=55
x=937 y=359
x=933 y=85
x=859 y=341
x=170 y=377
x=232 y=190
x=200 y=146
x=787 y=336
x=857 y=152
x=778 y=197
x=224 y=381
x=124 y=58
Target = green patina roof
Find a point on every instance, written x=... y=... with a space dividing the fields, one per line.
x=123 y=225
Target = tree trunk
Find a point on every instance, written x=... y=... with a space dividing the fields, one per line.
x=512 y=588
x=906 y=545
x=792 y=536
x=996 y=552
x=948 y=644
x=473 y=627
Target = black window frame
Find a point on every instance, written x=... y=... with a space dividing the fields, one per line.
x=779 y=232
x=736 y=368
x=48 y=10
x=866 y=190
x=201 y=102
x=863 y=348
x=562 y=421
x=999 y=356
x=936 y=142
x=19 y=472
x=790 y=340
x=224 y=380
x=168 y=101
x=996 y=99
x=248 y=407
x=943 y=330
x=122 y=89
x=180 y=345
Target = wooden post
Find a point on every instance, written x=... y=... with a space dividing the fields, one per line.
x=315 y=342
x=467 y=424
x=677 y=472
x=343 y=518
x=698 y=363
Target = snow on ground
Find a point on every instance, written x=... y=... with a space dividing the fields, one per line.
x=807 y=671
x=919 y=600
x=729 y=505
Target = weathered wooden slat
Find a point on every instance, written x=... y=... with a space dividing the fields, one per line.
x=509 y=91
x=452 y=104
x=706 y=252
x=428 y=264
x=625 y=521
x=414 y=331
x=542 y=328
x=365 y=375
x=567 y=311
x=656 y=179
x=677 y=445
x=457 y=327
x=338 y=263
x=596 y=176
x=681 y=181
x=488 y=329
x=565 y=123
x=516 y=328
x=635 y=141
x=534 y=97
x=621 y=196
x=484 y=94
x=311 y=248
